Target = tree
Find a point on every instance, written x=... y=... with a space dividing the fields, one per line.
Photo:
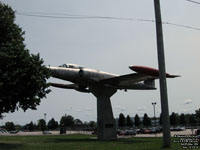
x=92 y=124
x=78 y=122
x=52 y=124
x=35 y=127
x=129 y=122
x=30 y=126
x=192 y=120
x=22 y=75
x=42 y=124
x=198 y=115
x=122 y=120
x=9 y=126
x=174 y=119
x=18 y=127
x=182 y=119
x=146 y=120
x=137 y=120
x=67 y=121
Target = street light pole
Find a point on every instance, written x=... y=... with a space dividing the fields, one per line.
x=154 y=105
x=45 y=118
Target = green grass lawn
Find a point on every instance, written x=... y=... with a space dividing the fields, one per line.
x=79 y=142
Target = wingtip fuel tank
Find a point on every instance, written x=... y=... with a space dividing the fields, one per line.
x=150 y=71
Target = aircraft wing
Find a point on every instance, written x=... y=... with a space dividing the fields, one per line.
x=134 y=81
x=130 y=81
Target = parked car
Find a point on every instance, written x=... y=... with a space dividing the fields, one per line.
x=46 y=132
x=140 y=131
x=13 y=132
x=147 y=131
x=177 y=128
x=126 y=132
x=2 y=130
x=155 y=130
x=130 y=132
x=121 y=132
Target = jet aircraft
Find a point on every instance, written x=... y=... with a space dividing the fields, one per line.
x=83 y=78
x=103 y=85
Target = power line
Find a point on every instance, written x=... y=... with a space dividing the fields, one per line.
x=74 y=16
x=193 y=1
x=179 y=25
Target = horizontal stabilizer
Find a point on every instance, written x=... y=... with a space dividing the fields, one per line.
x=150 y=71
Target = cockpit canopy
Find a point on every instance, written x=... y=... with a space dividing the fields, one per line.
x=71 y=66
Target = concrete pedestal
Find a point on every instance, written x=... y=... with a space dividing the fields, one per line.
x=106 y=125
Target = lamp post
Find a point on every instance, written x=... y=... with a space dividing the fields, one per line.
x=45 y=123
x=154 y=105
x=45 y=118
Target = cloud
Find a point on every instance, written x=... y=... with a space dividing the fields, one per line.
x=141 y=109
x=188 y=101
x=120 y=108
x=117 y=107
x=88 y=109
x=186 y=110
x=78 y=110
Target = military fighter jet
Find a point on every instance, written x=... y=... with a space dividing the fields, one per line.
x=83 y=78
x=103 y=85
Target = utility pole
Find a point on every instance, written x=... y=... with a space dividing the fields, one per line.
x=162 y=76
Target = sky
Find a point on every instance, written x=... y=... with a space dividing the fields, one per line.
x=112 y=45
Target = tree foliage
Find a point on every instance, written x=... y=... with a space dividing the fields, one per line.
x=182 y=119
x=129 y=122
x=146 y=120
x=174 y=119
x=192 y=120
x=30 y=127
x=42 y=124
x=137 y=120
x=92 y=124
x=122 y=120
x=78 y=122
x=9 y=126
x=52 y=124
x=67 y=121
x=22 y=75
x=198 y=115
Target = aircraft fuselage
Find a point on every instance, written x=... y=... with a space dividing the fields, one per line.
x=81 y=76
